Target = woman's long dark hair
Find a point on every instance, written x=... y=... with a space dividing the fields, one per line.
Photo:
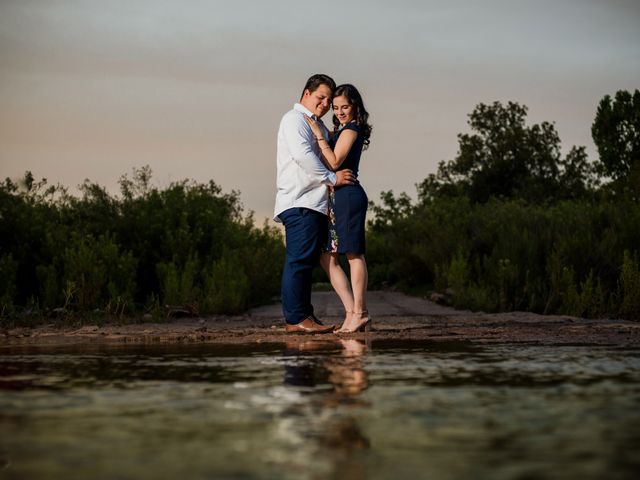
x=361 y=116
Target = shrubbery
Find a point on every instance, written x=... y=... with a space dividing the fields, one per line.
x=510 y=224
x=575 y=257
x=187 y=245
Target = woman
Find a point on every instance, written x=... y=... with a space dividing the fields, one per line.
x=347 y=205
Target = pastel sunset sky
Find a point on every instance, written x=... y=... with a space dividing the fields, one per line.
x=196 y=89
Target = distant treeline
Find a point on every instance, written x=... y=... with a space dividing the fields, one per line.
x=186 y=247
x=508 y=224
x=511 y=224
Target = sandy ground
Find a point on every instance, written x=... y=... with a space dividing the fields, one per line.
x=395 y=317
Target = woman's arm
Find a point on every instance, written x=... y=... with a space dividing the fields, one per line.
x=295 y=134
x=335 y=157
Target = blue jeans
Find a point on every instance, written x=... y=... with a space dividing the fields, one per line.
x=305 y=233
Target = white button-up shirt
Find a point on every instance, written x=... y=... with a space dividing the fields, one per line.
x=302 y=177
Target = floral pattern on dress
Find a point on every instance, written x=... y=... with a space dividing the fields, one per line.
x=334 y=241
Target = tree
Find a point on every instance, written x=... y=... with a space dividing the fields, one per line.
x=616 y=133
x=506 y=158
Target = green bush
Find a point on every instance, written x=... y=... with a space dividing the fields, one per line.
x=226 y=284
x=509 y=255
x=178 y=284
x=511 y=224
x=143 y=249
x=102 y=276
x=629 y=286
x=8 y=269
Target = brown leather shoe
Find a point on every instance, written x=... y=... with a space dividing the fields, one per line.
x=309 y=325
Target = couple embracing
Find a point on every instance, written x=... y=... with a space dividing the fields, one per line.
x=321 y=203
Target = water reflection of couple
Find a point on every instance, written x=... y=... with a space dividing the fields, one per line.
x=325 y=430
x=311 y=363
x=321 y=203
x=345 y=372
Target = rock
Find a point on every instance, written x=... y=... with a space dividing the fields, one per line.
x=87 y=329
x=178 y=311
x=18 y=332
x=440 y=298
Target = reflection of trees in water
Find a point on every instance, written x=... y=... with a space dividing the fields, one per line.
x=331 y=376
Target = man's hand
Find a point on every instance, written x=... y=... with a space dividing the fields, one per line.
x=345 y=177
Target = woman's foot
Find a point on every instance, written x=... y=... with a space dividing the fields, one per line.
x=347 y=322
x=358 y=322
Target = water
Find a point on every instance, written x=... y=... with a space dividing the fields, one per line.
x=316 y=410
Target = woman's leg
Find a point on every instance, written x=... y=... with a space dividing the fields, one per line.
x=359 y=279
x=338 y=279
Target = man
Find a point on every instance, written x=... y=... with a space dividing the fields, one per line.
x=301 y=202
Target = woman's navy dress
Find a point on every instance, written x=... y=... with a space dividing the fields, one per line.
x=348 y=204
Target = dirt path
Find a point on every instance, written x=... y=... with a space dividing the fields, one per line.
x=396 y=317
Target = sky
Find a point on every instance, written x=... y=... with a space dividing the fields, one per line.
x=195 y=89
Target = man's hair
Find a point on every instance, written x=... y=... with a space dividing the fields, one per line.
x=316 y=80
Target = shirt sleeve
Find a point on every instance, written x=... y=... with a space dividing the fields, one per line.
x=299 y=138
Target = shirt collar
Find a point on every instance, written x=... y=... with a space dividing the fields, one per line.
x=301 y=108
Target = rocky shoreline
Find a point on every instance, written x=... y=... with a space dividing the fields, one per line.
x=396 y=317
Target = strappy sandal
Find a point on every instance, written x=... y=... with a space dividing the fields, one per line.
x=363 y=326
x=341 y=329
